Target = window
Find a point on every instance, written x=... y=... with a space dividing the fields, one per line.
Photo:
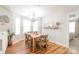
x=17 y=25
x=26 y=25
x=72 y=27
x=35 y=26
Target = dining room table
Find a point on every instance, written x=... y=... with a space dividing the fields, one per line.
x=34 y=36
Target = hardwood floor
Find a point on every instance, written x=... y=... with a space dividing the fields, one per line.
x=20 y=48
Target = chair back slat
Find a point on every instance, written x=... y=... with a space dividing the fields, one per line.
x=43 y=37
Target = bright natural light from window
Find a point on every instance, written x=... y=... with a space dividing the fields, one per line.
x=72 y=27
x=35 y=26
x=26 y=26
x=17 y=25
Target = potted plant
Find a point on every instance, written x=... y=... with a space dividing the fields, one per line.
x=10 y=35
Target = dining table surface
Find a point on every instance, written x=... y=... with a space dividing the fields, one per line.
x=34 y=35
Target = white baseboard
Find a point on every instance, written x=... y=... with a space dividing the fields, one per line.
x=58 y=43
x=49 y=40
x=16 y=41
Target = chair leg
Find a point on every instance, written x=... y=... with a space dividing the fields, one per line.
x=25 y=42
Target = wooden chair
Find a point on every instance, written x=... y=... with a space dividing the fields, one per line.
x=35 y=32
x=30 y=32
x=42 y=42
x=38 y=42
x=28 y=40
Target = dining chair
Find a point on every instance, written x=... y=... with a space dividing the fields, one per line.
x=35 y=32
x=38 y=42
x=28 y=40
x=42 y=42
x=30 y=32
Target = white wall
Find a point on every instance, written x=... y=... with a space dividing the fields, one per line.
x=59 y=35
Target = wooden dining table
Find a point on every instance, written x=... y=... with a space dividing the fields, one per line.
x=34 y=35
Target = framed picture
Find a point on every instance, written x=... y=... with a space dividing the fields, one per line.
x=4 y=19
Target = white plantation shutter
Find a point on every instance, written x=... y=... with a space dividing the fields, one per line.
x=26 y=26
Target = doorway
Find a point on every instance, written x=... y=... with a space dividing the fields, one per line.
x=73 y=35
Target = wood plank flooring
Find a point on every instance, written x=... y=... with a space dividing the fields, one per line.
x=20 y=48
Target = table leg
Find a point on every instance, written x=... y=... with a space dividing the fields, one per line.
x=33 y=45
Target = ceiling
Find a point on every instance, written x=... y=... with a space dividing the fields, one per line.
x=27 y=10
x=66 y=8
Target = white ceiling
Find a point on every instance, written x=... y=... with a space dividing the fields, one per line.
x=23 y=9
x=66 y=8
